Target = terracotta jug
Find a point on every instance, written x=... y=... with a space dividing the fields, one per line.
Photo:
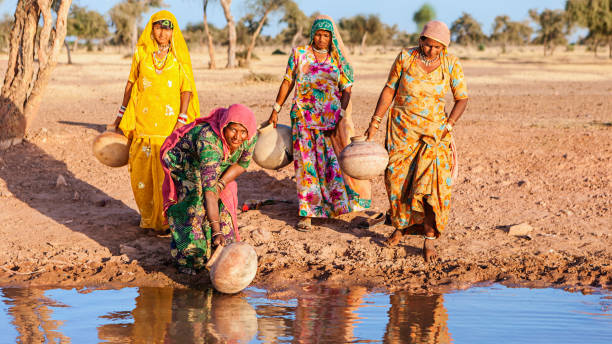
x=274 y=147
x=362 y=159
x=233 y=267
x=112 y=149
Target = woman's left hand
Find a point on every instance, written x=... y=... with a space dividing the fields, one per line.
x=219 y=240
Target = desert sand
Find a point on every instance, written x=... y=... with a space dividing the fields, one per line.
x=535 y=147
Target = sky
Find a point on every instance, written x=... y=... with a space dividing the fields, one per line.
x=390 y=11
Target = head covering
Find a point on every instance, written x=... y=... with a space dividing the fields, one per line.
x=165 y=24
x=147 y=44
x=218 y=119
x=338 y=51
x=437 y=31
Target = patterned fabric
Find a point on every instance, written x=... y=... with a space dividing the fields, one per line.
x=196 y=163
x=324 y=22
x=420 y=160
x=151 y=114
x=322 y=190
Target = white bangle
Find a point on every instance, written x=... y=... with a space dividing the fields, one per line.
x=342 y=113
x=277 y=107
x=449 y=127
x=181 y=121
x=119 y=114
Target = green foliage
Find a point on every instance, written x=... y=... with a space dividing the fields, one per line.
x=127 y=13
x=596 y=16
x=552 y=27
x=253 y=77
x=481 y=47
x=86 y=24
x=278 y=52
x=507 y=32
x=195 y=34
x=297 y=24
x=467 y=31
x=423 y=15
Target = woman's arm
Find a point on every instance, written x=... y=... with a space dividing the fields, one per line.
x=182 y=118
x=384 y=101
x=212 y=213
x=283 y=92
x=127 y=93
x=456 y=113
x=231 y=173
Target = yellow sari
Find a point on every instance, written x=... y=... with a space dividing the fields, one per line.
x=152 y=113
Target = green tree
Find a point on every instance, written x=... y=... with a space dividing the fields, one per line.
x=85 y=24
x=467 y=31
x=552 y=25
x=507 y=32
x=596 y=16
x=126 y=17
x=296 y=22
x=423 y=15
x=359 y=27
x=260 y=9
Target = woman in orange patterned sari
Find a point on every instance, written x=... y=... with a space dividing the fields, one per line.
x=419 y=135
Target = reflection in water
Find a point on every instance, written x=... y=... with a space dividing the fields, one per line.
x=32 y=316
x=417 y=319
x=317 y=315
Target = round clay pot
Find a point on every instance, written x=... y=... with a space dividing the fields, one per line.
x=363 y=160
x=274 y=148
x=233 y=267
x=111 y=149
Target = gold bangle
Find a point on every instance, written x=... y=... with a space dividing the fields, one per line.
x=377 y=119
x=449 y=127
x=375 y=125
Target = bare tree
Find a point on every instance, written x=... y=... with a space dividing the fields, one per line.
x=231 y=28
x=25 y=80
x=211 y=46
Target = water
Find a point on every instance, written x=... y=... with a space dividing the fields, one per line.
x=494 y=314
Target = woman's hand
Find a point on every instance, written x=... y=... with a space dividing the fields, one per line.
x=115 y=125
x=177 y=125
x=218 y=239
x=369 y=133
x=273 y=118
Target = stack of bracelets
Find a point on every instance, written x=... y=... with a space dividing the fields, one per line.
x=376 y=121
x=182 y=118
x=121 y=111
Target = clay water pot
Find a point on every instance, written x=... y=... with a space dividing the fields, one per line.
x=363 y=160
x=112 y=149
x=274 y=147
x=233 y=267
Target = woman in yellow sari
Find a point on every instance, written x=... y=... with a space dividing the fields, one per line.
x=160 y=96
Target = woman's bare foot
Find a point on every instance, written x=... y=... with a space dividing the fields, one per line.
x=429 y=251
x=395 y=238
x=304 y=224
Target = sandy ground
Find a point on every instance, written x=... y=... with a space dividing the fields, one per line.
x=535 y=146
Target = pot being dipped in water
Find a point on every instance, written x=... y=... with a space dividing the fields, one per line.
x=233 y=267
x=362 y=159
x=112 y=149
x=274 y=147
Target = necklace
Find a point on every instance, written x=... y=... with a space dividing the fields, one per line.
x=424 y=59
x=159 y=64
x=320 y=51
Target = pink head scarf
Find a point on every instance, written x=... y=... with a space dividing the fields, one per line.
x=218 y=119
x=437 y=31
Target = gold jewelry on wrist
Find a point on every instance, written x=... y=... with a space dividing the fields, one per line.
x=277 y=107
x=342 y=113
x=374 y=124
x=377 y=119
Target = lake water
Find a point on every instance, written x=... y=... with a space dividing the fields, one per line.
x=493 y=314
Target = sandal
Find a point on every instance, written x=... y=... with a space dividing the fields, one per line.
x=373 y=221
x=304 y=224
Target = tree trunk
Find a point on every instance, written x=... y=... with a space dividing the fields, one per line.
x=23 y=82
x=211 y=47
x=255 y=35
x=134 y=33
x=298 y=34
x=363 y=42
x=68 y=52
x=610 y=46
x=231 y=27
